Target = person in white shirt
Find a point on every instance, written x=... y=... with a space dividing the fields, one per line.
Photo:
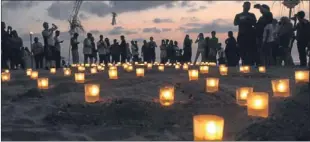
x=57 y=53
x=201 y=47
x=102 y=50
x=49 y=44
x=38 y=53
x=87 y=49
x=269 y=42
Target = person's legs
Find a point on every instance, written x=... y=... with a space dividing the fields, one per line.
x=196 y=57
x=37 y=61
x=203 y=56
x=85 y=58
x=302 y=53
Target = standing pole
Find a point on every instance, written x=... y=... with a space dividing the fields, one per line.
x=31 y=55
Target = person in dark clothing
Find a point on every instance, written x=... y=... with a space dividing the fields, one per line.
x=285 y=33
x=107 y=41
x=302 y=37
x=115 y=51
x=74 y=48
x=187 y=48
x=123 y=47
x=207 y=49
x=246 y=34
x=94 y=50
x=16 y=43
x=231 y=50
x=144 y=51
x=5 y=35
x=152 y=47
x=172 y=52
x=38 y=52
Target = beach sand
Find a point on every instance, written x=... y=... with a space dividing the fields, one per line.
x=129 y=108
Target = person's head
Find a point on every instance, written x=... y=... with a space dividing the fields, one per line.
x=213 y=33
x=230 y=34
x=187 y=37
x=163 y=41
x=264 y=8
x=201 y=36
x=132 y=42
x=122 y=37
x=3 y=25
x=101 y=37
x=136 y=42
x=14 y=33
x=45 y=25
x=246 y=6
x=115 y=41
x=300 y=15
x=175 y=43
x=151 y=38
x=284 y=20
x=57 y=33
x=36 y=39
x=75 y=35
x=89 y=35
x=220 y=45
x=171 y=42
x=144 y=42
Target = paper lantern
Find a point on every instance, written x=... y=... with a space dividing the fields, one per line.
x=6 y=70
x=161 y=68
x=5 y=76
x=113 y=74
x=73 y=65
x=212 y=85
x=281 y=87
x=42 y=83
x=28 y=72
x=242 y=95
x=129 y=68
x=258 y=104
x=87 y=65
x=100 y=68
x=166 y=95
x=53 y=70
x=34 y=75
x=208 y=127
x=92 y=92
x=245 y=69
x=113 y=68
x=81 y=69
x=193 y=75
x=156 y=63
x=140 y=72
x=67 y=72
x=185 y=66
x=302 y=76
x=93 y=65
x=177 y=66
x=223 y=70
x=262 y=69
x=149 y=66
x=204 y=69
x=79 y=77
x=93 y=70
x=213 y=64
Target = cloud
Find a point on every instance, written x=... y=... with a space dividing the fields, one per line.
x=83 y=16
x=159 y=20
x=60 y=10
x=151 y=30
x=13 y=5
x=187 y=4
x=189 y=19
x=120 y=30
x=197 y=9
x=166 y=29
x=218 y=25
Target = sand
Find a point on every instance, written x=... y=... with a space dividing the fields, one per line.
x=129 y=108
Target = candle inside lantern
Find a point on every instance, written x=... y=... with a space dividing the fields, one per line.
x=81 y=68
x=223 y=70
x=79 y=77
x=87 y=65
x=6 y=70
x=204 y=69
x=100 y=68
x=212 y=85
x=93 y=70
x=257 y=104
x=53 y=70
x=34 y=75
x=262 y=69
x=177 y=66
x=166 y=95
x=92 y=92
x=208 y=127
x=245 y=69
x=302 y=76
x=140 y=72
x=281 y=87
x=161 y=67
x=185 y=66
x=113 y=74
x=28 y=72
x=242 y=95
x=212 y=64
x=42 y=83
x=67 y=72
x=149 y=66
x=113 y=68
x=125 y=66
x=5 y=76
x=129 y=68
x=193 y=75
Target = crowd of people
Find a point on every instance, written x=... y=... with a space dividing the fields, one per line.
x=265 y=41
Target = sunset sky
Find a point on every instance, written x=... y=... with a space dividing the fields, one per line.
x=136 y=19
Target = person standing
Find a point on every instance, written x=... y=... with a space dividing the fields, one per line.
x=26 y=56
x=5 y=35
x=38 y=53
x=221 y=55
x=231 y=50
x=135 y=51
x=123 y=47
x=87 y=49
x=16 y=44
x=74 y=48
x=213 y=46
x=57 y=50
x=163 y=52
x=178 y=53
x=102 y=50
x=94 y=55
x=107 y=41
x=201 y=47
x=284 y=34
x=115 y=51
x=144 y=51
x=49 y=44
x=152 y=48
x=187 y=47
x=129 y=55
x=269 y=42
x=246 y=33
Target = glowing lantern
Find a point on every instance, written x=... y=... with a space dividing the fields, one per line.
x=53 y=70
x=185 y=66
x=113 y=68
x=166 y=96
x=42 y=83
x=6 y=70
x=208 y=127
x=223 y=70
x=242 y=95
x=204 y=69
x=81 y=69
x=93 y=70
x=92 y=92
x=87 y=65
x=212 y=85
x=245 y=69
x=67 y=72
x=34 y=75
x=28 y=72
x=129 y=68
x=140 y=72
x=302 y=76
x=79 y=77
x=193 y=75
x=5 y=76
x=177 y=66
x=156 y=63
x=113 y=74
x=161 y=68
x=281 y=87
x=93 y=65
x=100 y=68
x=262 y=69
x=73 y=65
x=149 y=66
x=257 y=104
x=212 y=64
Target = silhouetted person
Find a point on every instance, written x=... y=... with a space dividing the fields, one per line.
x=87 y=49
x=5 y=35
x=213 y=45
x=187 y=48
x=128 y=52
x=246 y=35
x=123 y=47
x=302 y=37
x=221 y=55
x=75 y=49
x=178 y=52
x=163 y=52
x=144 y=51
x=231 y=50
x=26 y=56
x=49 y=43
x=115 y=51
x=269 y=42
x=16 y=43
x=207 y=49
x=134 y=51
x=152 y=47
x=201 y=47
x=57 y=53
x=38 y=53
x=172 y=50
x=284 y=34
x=103 y=50
x=94 y=50
x=109 y=56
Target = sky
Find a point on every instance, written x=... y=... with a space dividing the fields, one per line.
x=137 y=20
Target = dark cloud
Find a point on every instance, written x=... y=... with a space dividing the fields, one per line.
x=163 y=20
x=218 y=25
x=120 y=30
x=187 y=4
x=166 y=29
x=60 y=10
x=151 y=30
x=18 y=4
x=197 y=9
x=189 y=19
x=83 y=16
